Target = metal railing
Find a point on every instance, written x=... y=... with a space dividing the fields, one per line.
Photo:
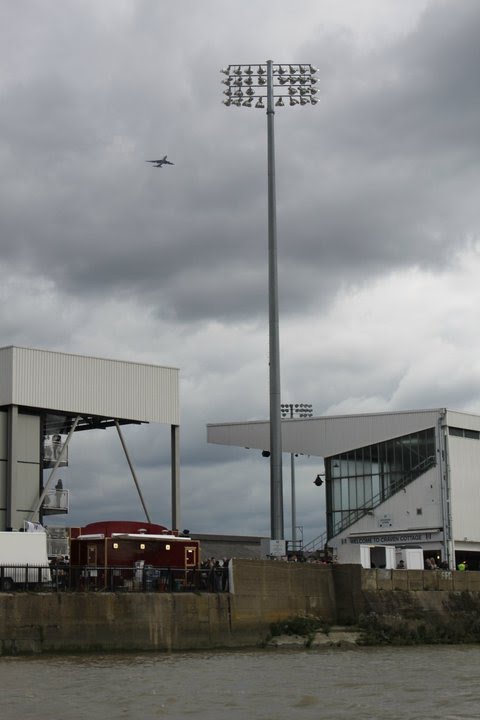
x=62 y=578
x=380 y=497
x=316 y=544
x=24 y=577
x=351 y=516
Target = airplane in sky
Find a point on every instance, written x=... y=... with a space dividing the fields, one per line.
x=160 y=163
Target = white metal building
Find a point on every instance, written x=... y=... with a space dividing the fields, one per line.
x=403 y=478
x=47 y=396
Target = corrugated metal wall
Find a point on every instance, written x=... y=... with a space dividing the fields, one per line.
x=6 y=375
x=89 y=385
x=326 y=436
x=464 y=457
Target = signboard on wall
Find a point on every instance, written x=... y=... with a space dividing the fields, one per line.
x=385 y=521
x=273 y=548
x=398 y=538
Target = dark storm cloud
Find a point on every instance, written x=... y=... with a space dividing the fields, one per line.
x=395 y=148
x=101 y=254
x=379 y=174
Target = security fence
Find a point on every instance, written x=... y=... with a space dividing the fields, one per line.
x=24 y=577
x=63 y=578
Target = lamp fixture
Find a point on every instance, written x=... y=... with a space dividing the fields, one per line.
x=252 y=80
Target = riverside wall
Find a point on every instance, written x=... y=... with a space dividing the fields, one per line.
x=263 y=592
x=410 y=603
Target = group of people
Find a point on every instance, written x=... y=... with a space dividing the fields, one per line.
x=432 y=564
x=214 y=574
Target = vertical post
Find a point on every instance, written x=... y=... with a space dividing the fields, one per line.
x=175 y=455
x=444 y=471
x=11 y=479
x=276 y=485
x=294 y=502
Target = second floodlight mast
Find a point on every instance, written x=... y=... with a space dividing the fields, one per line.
x=247 y=86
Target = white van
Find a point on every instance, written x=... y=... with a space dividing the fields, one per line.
x=23 y=559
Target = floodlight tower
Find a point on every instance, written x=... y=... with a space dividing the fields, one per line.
x=253 y=86
x=291 y=410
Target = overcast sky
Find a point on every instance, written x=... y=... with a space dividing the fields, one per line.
x=378 y=223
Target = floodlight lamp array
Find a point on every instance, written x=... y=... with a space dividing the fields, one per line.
x=247 y=85
x=300 y=410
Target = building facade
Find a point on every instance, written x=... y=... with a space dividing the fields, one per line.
x=46 y=397
x=409 y=479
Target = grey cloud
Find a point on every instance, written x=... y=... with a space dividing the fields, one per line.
x=363 y=178
x=379 y=176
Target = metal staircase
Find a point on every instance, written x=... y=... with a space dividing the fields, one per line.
x=351 y=516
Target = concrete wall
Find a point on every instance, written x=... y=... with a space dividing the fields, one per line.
x=19 y=467
x=359 y=591
x=264 y=592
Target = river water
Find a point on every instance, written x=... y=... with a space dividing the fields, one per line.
x=360 y=684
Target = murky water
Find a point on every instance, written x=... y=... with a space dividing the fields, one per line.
x=405 y=683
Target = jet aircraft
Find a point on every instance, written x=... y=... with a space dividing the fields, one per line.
x=160 y=163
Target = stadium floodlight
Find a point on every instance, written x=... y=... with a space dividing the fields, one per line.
x=268 y=85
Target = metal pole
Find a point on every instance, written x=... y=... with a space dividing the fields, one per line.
x=294 y=508
x=303 y=410
x=175 y=471
x=276 y=485
x=132 y=470
x=295 y=84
